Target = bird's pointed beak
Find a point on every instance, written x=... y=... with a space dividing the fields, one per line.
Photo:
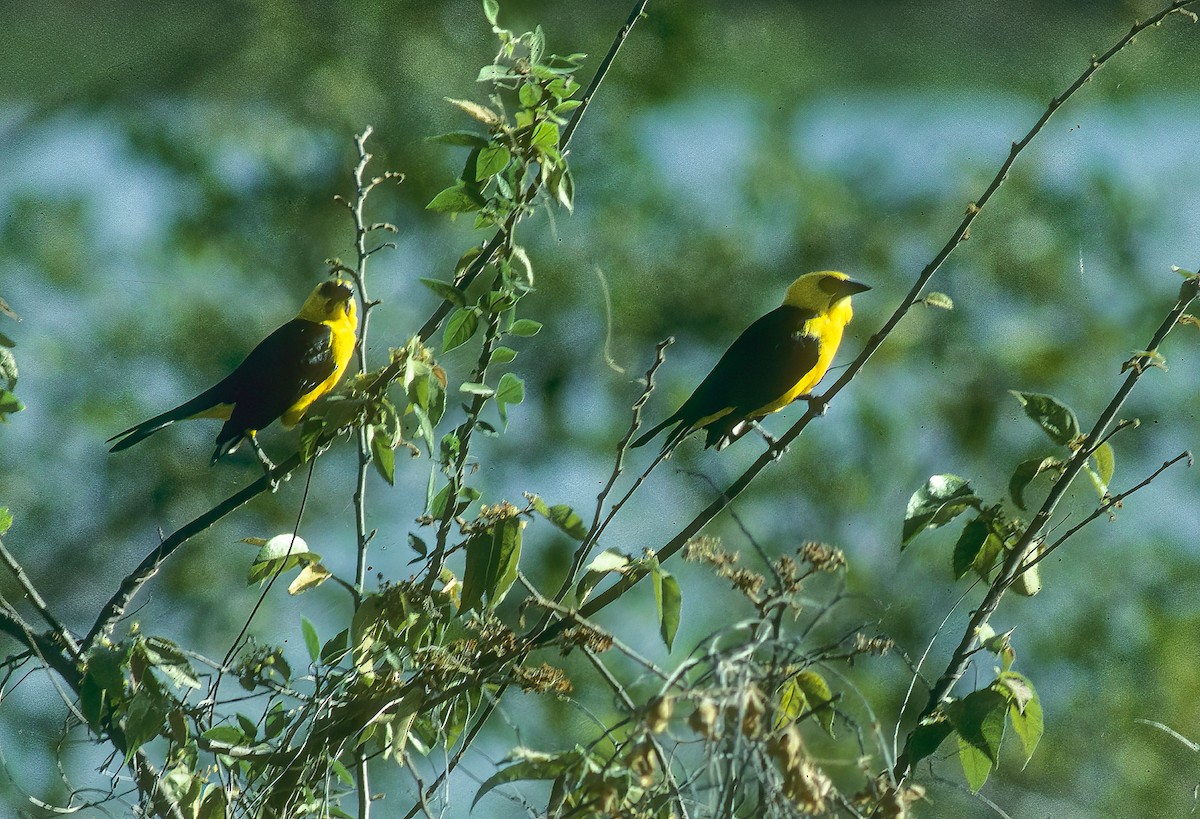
x=849 y=287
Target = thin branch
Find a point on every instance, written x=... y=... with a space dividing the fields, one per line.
x=59 y=630
x=115 y=608
x=1015 y=558
x=489 y=250
x=598 y=526
x=1110 y=502
x=627 y=581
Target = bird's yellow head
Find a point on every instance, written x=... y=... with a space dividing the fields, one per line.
x=825 y=291
x=330 y=301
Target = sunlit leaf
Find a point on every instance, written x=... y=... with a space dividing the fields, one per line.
x=939 y=501
x=818 y=694
x=668 y=601
x=525 y=327
x=461 y=325
x=491 y=161
x=975 y=764
x=311 y=641
x=979 y=720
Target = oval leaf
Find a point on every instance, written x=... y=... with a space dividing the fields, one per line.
x=939 y=501
x=1054 y=417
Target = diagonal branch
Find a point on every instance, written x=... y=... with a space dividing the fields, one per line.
x=627 y=581
x=1014 y=561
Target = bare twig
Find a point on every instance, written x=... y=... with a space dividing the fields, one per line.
x=1110 y=502
x=60 y=632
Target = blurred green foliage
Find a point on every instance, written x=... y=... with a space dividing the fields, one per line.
x=168 y=176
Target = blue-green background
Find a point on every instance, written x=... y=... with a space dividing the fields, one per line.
x=166 y=182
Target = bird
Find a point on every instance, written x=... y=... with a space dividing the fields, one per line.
x=280 y=378
x=777 y=359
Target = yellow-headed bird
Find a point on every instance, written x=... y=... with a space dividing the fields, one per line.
x=281 y=378
x=778 y=359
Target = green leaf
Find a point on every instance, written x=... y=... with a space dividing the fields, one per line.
x=275 y=557
x=1024 y=474
x=992 y=548
x=5 y=341
x=1029 y=582
x=605 y=562
x=169 y=658
x=1105 y=460
x=492 y=160
x=91 y=702
x=9 y=403
x=143 y=720
x=446 y=291
x=311 y=640
x=502 y=355
x=532 y=765
x=968 y=546
x=456 y=199
x=938 y=300
x=565 y=518
x=461 y=325
x=562 y=186
x=226 y=734
x=8 y=368
x=466 y=139
x=491 y=10
x=926 y=737
x=530 y=94
x=975 y=764
x=6 y=519
x=668 y=601
x=939 y=501
x=1024 y=711
x=335 y=648
x=1054 y=417
x=510 y=390
x=817 y=693
x=382 y=455
x=544 y=137
x=492 y=560
x=506 y=539
x=979 y=720
x=475 y=388
x=493 y=73
x=525 y=327
x=792 y=703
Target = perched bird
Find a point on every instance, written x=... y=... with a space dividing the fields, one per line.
x=282 y=376
x=778 y=359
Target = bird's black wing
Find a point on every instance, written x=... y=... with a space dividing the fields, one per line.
x=286 y=365
x=761 y=365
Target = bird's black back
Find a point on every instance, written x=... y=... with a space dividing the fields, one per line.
x=765 y=361
x=286 y=365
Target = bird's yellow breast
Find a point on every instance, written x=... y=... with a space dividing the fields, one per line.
x=827 y=328
x=344 y=328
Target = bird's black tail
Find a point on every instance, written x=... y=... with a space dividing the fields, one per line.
x=204 y=401
x=653 y=431
x=673 y=437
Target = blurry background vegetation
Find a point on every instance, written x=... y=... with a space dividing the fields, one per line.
x=166 y=175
